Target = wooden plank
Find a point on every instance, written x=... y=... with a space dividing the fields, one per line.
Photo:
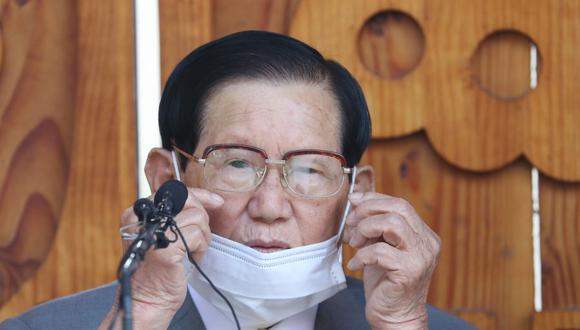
x=557 y=320
x=555 y=113
x=37 y=99
x=560 y=231
x=269 y=15
x=481 y=320
x=101 y=181
x=183 y=25
x=484 y=221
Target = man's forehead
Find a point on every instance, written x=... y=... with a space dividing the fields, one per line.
x=258 y=110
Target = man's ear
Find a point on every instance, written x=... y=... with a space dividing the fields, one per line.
x=158 y=168
x=365 y=179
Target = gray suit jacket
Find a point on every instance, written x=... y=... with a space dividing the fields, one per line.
x=87 y=309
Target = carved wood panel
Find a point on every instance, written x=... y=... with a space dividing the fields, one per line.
x=67 y=141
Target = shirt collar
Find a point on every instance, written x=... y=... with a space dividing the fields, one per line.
x=215 y=320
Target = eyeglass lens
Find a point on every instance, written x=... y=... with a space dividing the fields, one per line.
x=238 y=169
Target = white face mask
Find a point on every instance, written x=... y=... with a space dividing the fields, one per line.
x=265 y=288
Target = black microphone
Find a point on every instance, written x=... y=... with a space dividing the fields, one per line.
x=144 y=209
x=170 y=198
x=157 y=217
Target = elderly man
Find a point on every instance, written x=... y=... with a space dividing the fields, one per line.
x=266 y=134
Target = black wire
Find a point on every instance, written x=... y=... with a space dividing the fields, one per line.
x=127 y=302
x=173 y=225
x=175 y=237
x=121 y=307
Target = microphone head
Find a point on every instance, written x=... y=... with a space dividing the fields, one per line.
x=174 y=191
x=143 y=207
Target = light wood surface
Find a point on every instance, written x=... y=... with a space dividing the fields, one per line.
x=98 y=61
x=232 y=16
x=37 y=93
x=481 y=320
x=560 y=218
x=467 y=126
x=557 y=320
x=184 y=25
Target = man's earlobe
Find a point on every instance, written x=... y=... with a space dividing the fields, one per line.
x=365 y=179
x=158 y=168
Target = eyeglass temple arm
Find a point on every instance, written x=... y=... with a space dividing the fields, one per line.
x=188 y=156
x=353 y=172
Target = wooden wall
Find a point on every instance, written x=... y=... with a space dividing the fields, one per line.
x=67 y=140
x=456 y=133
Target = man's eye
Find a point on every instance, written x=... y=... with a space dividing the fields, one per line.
x=307 y=170
x=238 y=163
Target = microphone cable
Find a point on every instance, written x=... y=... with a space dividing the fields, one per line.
x=175 y=228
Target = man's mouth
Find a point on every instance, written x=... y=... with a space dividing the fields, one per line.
x=267 y=246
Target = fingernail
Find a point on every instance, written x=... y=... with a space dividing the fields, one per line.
x=353 y=243
x=217 y=198
x=350 y=265
x=356 y=195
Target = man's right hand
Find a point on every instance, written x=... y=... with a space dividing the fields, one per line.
x=159 y=285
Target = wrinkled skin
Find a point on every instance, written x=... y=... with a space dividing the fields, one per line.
x=398 y=252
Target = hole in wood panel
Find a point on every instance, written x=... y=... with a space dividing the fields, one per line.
x=391 y=44
x=501 y=64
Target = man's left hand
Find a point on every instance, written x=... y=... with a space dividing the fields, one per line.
x=398 y=253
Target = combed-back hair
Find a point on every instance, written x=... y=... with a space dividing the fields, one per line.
x=257 y=55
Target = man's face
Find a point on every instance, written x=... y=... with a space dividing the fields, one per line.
x=276 y=117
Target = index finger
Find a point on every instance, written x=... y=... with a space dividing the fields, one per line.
x=371 y=203
x=203 y=198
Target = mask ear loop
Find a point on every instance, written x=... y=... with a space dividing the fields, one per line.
x=346 y=212
x=175 y=167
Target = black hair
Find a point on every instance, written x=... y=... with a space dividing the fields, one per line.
x=257 y=55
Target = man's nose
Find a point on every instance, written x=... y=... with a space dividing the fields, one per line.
x=270 y=200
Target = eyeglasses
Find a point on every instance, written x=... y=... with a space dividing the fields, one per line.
x=239 y=168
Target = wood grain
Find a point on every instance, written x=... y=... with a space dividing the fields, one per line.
x=560 y=231
x=101 y=180
x=37 y=92
x=557 y=320
x=30 y=205
x=484 y=221
x=467 y=126
x=270 y=15
x=481 y=320
x=391 y=44
x=184 y=25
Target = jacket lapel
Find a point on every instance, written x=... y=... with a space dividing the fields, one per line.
x=187 y=317
x=343 y=310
